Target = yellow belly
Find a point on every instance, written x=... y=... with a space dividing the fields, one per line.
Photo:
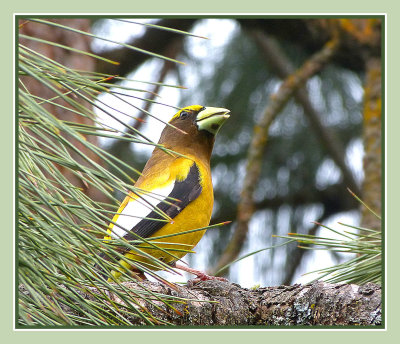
x=197 y=214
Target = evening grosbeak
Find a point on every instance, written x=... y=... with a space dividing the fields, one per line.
x=176 y=193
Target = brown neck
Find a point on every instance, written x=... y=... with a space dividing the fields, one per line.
x=199 y=144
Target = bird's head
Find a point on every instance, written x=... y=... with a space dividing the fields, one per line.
x=197 y=126
x=197 y=117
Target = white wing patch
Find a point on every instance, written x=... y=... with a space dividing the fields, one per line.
x=137 y=209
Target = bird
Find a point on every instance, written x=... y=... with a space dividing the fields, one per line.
x=173 y=194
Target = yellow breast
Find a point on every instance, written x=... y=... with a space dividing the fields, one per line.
x=196 y=214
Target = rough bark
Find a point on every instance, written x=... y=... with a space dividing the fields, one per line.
x=216 y=303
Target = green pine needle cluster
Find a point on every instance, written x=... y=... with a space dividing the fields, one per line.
x=60 y=228
x=365 y=245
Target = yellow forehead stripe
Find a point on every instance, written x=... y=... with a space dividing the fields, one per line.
x=195 y=108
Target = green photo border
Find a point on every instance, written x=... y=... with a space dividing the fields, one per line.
x=167 y=336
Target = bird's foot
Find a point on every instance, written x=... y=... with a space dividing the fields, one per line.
x=201 y=276
x=139 y=275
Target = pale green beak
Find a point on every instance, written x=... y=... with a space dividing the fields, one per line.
x=211 y=119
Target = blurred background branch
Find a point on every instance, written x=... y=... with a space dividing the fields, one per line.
x=372 y=128
x=283 y=68
x=276 y=103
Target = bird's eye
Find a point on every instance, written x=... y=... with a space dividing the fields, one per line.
x=183 y=115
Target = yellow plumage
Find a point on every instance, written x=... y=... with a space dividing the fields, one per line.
x=165 y=171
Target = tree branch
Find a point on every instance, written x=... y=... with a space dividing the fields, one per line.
x=283 y=68
x=361 y=38
x=216 y=303
x=333 y=199
x=372 y=129
x=295 y=257
x=258 y=143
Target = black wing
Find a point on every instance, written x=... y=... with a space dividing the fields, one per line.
x=184 y=191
